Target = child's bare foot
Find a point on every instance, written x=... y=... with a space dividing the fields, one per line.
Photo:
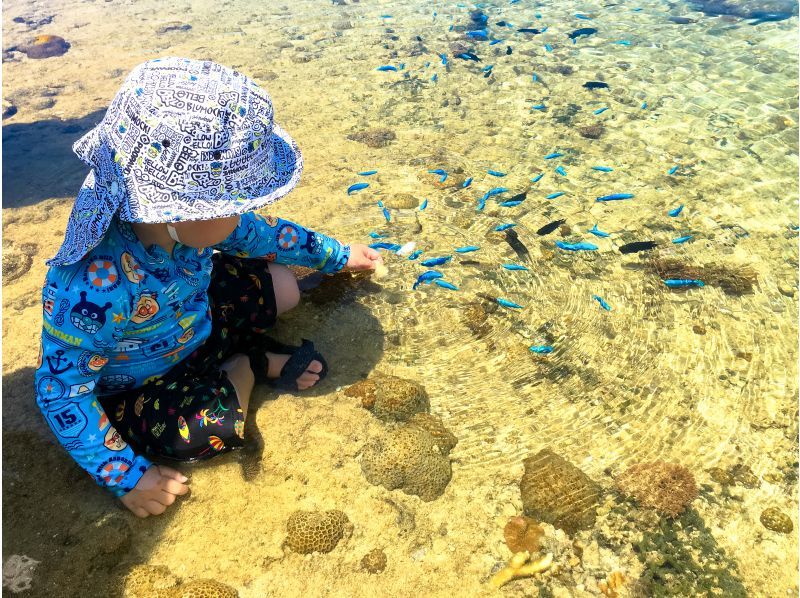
x=306 y=379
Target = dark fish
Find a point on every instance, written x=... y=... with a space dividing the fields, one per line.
x=501 y=23
x=550 y=227
x=529 y=30
x=582 y=31
x=681 y=20
x=637 y=246
x=468 y=56
x=519 y=196
x=518 y=246
x=595 y=85
x=767 y=17
x=508 y=50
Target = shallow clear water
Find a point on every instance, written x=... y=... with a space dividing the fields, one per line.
x=704 y=377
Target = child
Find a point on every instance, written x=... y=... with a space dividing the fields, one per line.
x=152 y=340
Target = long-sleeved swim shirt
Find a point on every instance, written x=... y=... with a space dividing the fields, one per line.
x=125 y=314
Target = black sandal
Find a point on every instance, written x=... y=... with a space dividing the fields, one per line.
x=301 y=358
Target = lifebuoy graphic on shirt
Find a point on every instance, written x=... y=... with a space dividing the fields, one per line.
x=101 y=274
x=112 y=471
x=87 y=316
x=287 y=237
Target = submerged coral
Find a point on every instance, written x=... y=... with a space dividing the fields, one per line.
x=731 y=278
x=519 y=566
x=409 y=459
x=157 y=581
x=374 y=137
x=391 y=398
x=374 y=561
x=18 y=572
x=776 y=521
x=45 y=46
x=666 y=487
x=434 y=426
x=316 y=531
x=556 y=492
x=203 y=588
x=521 y=533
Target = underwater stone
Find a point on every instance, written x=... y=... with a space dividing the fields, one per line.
x=556 y=492
x=666 y=487
x=374 y=561
x=776 y=521
x=375 y=138
x=401 y=201
x=9 y=109
x=173 y=26
x=433 y=425
x=316 y=531
x=721 y=476
x=409 y=459
x=17 y=260
x=45 y=46
x=522 y=533
x=391 y=398
x=594 y=131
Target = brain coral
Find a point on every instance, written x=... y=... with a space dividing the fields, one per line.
x=522 y=533
x=204 y=588
x=391 y=398
x=666 y=487
x=148 y=581
x=434 y=426
x=407 y=458
x=558 y=493
x=374 y=561
x=316 y=531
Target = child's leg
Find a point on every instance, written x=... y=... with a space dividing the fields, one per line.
x=241 y=376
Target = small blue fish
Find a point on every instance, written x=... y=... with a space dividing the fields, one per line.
x=507 y=303
x=494 y=191
x=438 y=171
x=623 y=42
x=553 y=155
x=541 y=348
x=390 y=246
x=386 y=67
x=682 y=239
x=602 y=168
x=602 y=302
x=478 y=34
x=600 y=110
x=481 y=203
x=615 y=197
x=580 y=16
x=427 y=64
x=467 y=249
x=368 y=172
x=356 y=187
x=415 y=255
x=560 y=170
x=534 y=77
x=380 y=203
x=487 y=68
x=537 y=178
x=423 y=205
x=510 y=204
x=444 y=58
x=597 y=232
x=548 y=47
x=514 y=267
x=467 y=183
x=436 y=261
x=673 y=170
x=538 y=107
x=468 y=56
x=644 y=105
x=676 y=211
x=426 y=277
x=435 y=76
x=496 y=173
x=446 y=285
x=554 y=195
x=502 y=227
x=495 y=41
x=576 y=246
x=674 y=283
x=387 y=215
x=375 y=235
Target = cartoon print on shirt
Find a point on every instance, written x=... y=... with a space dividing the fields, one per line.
x=87 y=316
x=132 y=270
x=113 y=441
x=146 y=308
x=101 y=274
x=58 y=363
x=287 y=237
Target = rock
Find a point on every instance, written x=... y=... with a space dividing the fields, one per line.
x=776 y=521
x=390 y=398
x=743 y=474
x=17 y=260
x=401 y=201
x=594 y=131
x=45 y=46
x=698 y=329
x=342 y=25
x=9 y=109
x=443 y=437
x=409 y=459
x=720 y=476
x=374 y=137
x=173 y=26
x=34 y=23
x=666 y=487
x=374 y=561
x=316 y=531
x=556 y=492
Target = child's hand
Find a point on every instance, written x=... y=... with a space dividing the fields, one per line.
x=156 y=490
x=362 y=258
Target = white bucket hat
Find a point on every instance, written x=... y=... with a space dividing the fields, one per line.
x=182 y=140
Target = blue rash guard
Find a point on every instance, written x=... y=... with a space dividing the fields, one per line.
x=125 y=314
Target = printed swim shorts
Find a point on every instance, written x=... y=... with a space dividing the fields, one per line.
x=192 y=411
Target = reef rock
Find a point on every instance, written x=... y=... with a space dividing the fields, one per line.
x=391 y=398
x=374 y=561
x=316 y=531
x=401 y=201
x=203 y=588
x=409 y=459
x=776 y=521
x=374 y=137
x=433 y=425
x=45 y=46
x=666 y=487
x=149 y=580
x=558 y=493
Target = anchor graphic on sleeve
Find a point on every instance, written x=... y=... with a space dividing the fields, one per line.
x=58 y=359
